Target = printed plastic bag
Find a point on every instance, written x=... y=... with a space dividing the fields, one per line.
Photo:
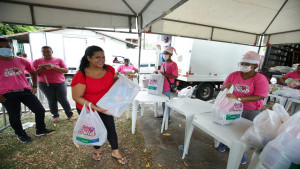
x=264 y=129
x=89 y=129
x=292 y=82
x=186 y=92
x=155 y=85
x=226 y=110
x=119 y=97
x=284 y=151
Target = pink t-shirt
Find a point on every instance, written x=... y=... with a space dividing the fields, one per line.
x=170 y=68
x=30 y=63
x=257 y=85
x=293 y=75
x=51 y=75
x=12 y=75
x=125 y=69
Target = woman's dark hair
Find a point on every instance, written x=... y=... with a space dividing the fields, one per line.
x=84 y=63
x=47 y=47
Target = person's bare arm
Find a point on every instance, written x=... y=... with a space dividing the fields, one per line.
x=115 y=78
x=2 y=98
x=228 y=85
x=34 y=82
x=58 y=69
x=77 y=95
x=40 y=69
x=282 y=79
x=252 y=98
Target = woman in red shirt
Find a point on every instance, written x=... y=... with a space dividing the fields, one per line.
x=89 y=85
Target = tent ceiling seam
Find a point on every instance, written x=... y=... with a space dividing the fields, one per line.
x=65 y=8
x=164 y=14
x=146 y=7
x=129 y=7
x=32 y=15
x=171 y=20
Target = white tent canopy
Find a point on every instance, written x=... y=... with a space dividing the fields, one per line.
x=101 y=14
x=236 y=21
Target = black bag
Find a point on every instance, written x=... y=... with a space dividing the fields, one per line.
x=173 y=86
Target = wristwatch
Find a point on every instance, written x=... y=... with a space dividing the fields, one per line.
x=239 y=99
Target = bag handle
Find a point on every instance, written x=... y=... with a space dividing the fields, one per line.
x=90 y=107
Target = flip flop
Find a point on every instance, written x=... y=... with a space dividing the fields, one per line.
x=98 y=156
x=123 y=159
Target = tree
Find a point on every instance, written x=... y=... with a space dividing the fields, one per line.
x=7 y=29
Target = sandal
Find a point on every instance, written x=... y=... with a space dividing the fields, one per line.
x=97 y=155
x=123 y=159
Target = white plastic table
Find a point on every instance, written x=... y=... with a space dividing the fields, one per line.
x=187 y=107
x=290 y=102
x=142 y=98
x=229 y=134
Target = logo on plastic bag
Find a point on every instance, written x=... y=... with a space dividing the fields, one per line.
x=237 y=107
x=86 y=130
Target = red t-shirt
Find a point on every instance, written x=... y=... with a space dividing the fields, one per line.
x=95 y=88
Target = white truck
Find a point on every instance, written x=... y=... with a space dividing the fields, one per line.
x=206 y=63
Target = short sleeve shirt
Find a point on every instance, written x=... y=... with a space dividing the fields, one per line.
x=257 y=85
x=95 y=88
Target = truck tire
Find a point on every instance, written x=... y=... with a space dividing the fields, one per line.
x=205 y=91
x=68 y=80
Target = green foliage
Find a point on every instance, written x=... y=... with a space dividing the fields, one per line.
x=7 y=29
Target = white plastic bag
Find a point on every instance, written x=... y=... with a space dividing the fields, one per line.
x=186 y=92
x=264 y=129
x=226 y=110
x=293 y=119
x=155 y=85
x=119 y=97
x=89 y=129
x=284 y=151
x=280 y=110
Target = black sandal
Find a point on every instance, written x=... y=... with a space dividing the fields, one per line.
x=98 y=155
x=123 y=159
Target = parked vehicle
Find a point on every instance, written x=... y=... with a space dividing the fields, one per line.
x=206 y=63
x=147 y=68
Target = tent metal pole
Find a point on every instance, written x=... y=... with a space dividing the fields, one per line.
x=32 y=15
x=259 y=43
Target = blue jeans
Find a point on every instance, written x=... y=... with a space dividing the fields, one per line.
x=56 y=92
x=167 y=93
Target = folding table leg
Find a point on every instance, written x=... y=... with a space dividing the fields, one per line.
x=187 y=141
x=128 y=109
x=134 y=114
x=142 y=109
x=165 y=117
x=254 y=159
x=166 y=114
x=155 y=109
x=216 y=143
x=237 y=150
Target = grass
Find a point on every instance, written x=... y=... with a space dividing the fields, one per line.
x=58 y=151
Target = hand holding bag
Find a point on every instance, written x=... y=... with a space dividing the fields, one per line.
x=89 y=129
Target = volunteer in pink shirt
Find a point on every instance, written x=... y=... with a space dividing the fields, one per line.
x=169 y=70
x=250 y=88
x=294 y=75
x=126 y=68
x=15 y=89
x=50 y=71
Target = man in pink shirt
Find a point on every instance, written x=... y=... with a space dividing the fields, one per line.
x=169 y=70
x=250 y=88
x=50 y=71
x=126 y=68
x=15 y=89
x=295 y=75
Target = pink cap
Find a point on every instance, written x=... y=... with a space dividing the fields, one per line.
x=169 y=49
x=251 y=57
